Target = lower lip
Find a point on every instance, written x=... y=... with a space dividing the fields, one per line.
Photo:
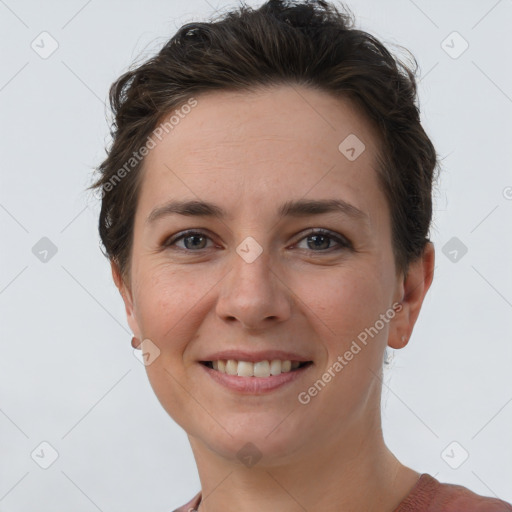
x=255 y=385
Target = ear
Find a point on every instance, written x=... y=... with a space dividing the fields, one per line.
x=411 y=292
x=126 y=294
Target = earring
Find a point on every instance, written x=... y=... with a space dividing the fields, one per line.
x=404 y=339
x=388 y=356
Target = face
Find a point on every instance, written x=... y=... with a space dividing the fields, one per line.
x=256 y=283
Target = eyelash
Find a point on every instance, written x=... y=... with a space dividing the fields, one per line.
x=342 y=241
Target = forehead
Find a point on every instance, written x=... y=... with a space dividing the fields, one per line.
x=263 y=144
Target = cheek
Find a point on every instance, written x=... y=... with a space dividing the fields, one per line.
x=168 y=303
x=171 y=307
x=344 y=301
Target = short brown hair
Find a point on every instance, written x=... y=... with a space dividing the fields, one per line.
x=309 y=43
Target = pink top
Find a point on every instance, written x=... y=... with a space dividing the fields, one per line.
x=428 y=495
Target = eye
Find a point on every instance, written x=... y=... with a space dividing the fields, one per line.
x=192 y=240
x=322 y=238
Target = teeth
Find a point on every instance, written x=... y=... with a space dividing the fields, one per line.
x=231 y=367
x=275 y=367
x=260 y=369
x=257 y=369
x=245 y=369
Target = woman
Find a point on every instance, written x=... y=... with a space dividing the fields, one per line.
x=266 y=205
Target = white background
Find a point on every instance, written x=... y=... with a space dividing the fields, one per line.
x=67 y=372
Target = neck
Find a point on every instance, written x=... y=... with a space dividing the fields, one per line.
x=356 y=472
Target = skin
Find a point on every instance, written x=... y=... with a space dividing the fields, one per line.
x=249 y=152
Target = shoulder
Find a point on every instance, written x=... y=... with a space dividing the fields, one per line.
x=191 y=506
x=430 y=495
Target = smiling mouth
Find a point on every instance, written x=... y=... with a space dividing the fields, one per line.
x=258 y=369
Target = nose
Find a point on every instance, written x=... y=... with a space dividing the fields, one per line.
x=254 y=294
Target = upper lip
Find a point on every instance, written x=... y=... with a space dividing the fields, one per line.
x=243 y=355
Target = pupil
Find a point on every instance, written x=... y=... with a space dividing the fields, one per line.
x=195 y=237
x=316 y=237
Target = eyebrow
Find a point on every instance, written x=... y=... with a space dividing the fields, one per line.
x=293 y=208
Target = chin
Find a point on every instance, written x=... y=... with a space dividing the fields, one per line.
x=255 y=443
